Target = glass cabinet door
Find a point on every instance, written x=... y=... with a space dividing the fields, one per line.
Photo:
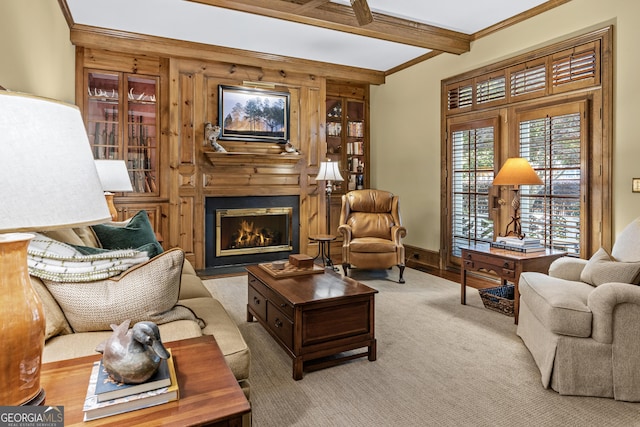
x=122 y=124
x=346 y=141
x=103 y=104
x=355 y=145
x=141 y=151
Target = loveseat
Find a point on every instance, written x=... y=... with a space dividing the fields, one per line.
x=78 y=316
x=581 y=321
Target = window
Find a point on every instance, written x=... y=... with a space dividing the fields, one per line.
x=472 y=173
x=553 y=107
x=553 y=140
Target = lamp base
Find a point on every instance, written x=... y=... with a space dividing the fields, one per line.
x=112 y=207
x=37 y=400
x=22 y=325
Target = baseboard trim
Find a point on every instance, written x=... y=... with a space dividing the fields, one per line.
x=416 y=257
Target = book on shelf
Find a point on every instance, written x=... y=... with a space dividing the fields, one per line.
x=523 y=249
x=94 y=409
x=107 y=388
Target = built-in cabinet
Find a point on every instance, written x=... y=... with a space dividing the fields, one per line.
x=119 y=96
x=347 y=136
x=151 y=112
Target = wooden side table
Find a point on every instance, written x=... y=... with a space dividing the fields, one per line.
x=324 y=248
x=209 y=392
x=508 y=265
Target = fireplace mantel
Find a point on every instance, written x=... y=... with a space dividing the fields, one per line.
x=257 y=159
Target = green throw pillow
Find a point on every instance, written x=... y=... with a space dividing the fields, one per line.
x=137 y=233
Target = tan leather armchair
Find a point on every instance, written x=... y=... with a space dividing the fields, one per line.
x=371 y=231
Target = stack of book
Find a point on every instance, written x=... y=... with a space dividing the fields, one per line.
x=106 y=397
x=525 y=245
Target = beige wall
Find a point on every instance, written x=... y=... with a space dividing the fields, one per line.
x=405 y=112
x=36 y=55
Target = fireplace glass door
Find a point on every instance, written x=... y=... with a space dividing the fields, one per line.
x=253 y=230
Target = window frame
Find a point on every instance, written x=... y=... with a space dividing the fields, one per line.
x=596 y=91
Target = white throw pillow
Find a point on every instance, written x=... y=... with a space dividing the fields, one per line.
x=602 y=268
x=147 y=291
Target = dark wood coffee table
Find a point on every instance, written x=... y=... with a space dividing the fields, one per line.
x=209 y=392
x=314 y=316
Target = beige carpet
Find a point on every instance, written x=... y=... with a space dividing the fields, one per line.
x=439 y=364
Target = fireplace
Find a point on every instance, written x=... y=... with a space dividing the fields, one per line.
x=247 y=230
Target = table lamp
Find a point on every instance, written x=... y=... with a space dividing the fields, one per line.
x=516 y=171
x=114 y=177
x=48 y=180
x=329 y=172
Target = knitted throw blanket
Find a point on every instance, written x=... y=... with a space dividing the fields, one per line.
x=56 y=261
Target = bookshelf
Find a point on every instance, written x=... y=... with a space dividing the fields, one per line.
x=347 y=141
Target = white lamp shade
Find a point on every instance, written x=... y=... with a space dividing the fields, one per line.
x=329 y=171
x=48 y=178
x=113 y=175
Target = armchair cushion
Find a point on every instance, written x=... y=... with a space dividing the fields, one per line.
x=372 y=245
x=602 y=268
x=371 y=225
x=560 y=305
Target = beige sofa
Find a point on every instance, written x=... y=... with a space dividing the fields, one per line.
x=580 y=322
x=62 y=342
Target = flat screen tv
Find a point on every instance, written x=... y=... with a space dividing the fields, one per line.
x=247 y=114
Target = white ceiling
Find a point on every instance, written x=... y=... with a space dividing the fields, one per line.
x=195 y=22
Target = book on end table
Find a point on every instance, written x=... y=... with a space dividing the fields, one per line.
x=94 y=409
x=107 y=388
x=523 y=249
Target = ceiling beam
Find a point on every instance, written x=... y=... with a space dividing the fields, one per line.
x=311 y=4
x=339 y=17
x=362 y=11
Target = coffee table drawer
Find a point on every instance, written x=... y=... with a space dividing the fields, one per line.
x=280 y=324
x=257 y=302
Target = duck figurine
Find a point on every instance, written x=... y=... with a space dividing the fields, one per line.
x=132 y=356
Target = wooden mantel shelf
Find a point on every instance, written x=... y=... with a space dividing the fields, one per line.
x=244 y=158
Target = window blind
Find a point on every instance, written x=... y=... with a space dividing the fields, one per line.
x=472 y=175
x=551 y=213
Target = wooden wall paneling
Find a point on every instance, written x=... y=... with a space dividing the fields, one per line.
x=94 y=37
x=186 y=239
x=165 y=133
x=116 y=61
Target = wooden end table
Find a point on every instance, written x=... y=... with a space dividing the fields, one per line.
x=508 y=265
x=209 y=392
x=314 y=316
x=324 y=248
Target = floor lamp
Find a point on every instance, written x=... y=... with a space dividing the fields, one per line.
x=114 y=177
x=516 y=171
x=49 y=180
x=330 y=173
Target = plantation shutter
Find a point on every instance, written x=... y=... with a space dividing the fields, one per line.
x=553 y=140
x=472 y=165
x=576 y=68
x=460 y=96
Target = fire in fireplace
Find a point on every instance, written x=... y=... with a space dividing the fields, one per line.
x=249 y=230
x=253 y=230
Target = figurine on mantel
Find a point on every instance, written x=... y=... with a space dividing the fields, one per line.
x=289 y=148
x=132 y=356
x=211 y=133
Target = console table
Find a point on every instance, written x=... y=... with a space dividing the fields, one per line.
x=209 y=392
x=508 y=265
x=313 y=316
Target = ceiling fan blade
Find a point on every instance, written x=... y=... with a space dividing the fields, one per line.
x=362 y=11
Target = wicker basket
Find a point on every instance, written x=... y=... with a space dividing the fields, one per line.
x=498 y=299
